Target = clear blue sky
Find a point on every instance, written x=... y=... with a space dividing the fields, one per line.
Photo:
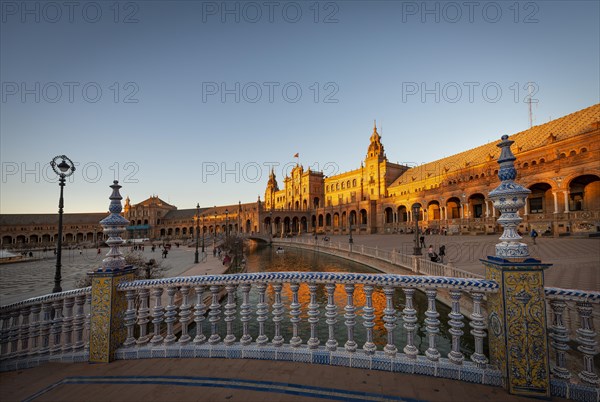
x=167 y=120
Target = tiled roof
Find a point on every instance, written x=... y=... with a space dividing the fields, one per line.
x=52 y=219
x=154 y=200
x=183 y=213
x=556 y=130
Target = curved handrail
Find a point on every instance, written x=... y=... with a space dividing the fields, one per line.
x=420 y=281
x=572 y=295
x=47 y=298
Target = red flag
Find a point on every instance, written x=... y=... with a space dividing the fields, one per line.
x=297 y=155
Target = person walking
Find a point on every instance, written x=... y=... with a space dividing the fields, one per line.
x=442 y=253
x=422 y=241
x=534 y=235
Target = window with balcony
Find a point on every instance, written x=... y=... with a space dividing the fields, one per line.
x=536 y=205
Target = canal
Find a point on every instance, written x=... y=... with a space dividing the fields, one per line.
x=265 y=259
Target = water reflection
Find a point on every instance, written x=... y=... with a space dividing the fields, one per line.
x=266 y=260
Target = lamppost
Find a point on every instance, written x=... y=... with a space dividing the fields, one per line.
x=415 y=211
x=226 y=224
x=197 y=231
x=271 y=227
x=63 y=170
x=215 y=230
x=350 y=240
x=203 y=237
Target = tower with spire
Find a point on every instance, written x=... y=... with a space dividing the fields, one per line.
x=272 y=188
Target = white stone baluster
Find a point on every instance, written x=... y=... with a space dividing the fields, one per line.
x=409 y=316
x=170 y=315
x=369 y=347
x=350 y=316
x=143 y=317
x=456 y=324
x=261 y=314
x=4 y=334
x=88 y=322
x=13 y=333
x=277 y=315
x=78 y=322
x=295 y=313
x=56 y=328
x=130 y=317
x=157 y=315
x=24 y=331
x=313 y=316
x=199 y=311
x=478 y=331
x=67 y=330
x=560 y=338
x=230 y=314
x=586 y=337
x=214 y=315
x=34 y=329
x=433 y=325
x=389 y=318
x=45 y=327
x=185 y=313
x=331 y=315
x=246 y=339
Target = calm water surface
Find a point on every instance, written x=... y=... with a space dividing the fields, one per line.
x=266 y=260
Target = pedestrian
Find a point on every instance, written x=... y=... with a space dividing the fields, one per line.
x=534 y=235
x=214 y=252
x=442 y=253
x=422 y=241
x=432 y=254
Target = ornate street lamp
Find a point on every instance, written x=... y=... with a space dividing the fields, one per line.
x=350 y=240
x=415 y=211
x=197 y=232
x=226 y=223
x=203 y=237
x=215 y=230
x=271 y=227
x=63 y=169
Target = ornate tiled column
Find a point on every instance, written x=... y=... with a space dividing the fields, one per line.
x=517 y=313
x=107 y=331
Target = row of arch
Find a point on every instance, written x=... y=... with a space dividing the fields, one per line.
x=329 y=220
x=47 y=239
x=183 y=232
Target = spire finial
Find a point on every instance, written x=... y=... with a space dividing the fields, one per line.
x=508 y=198
x=114 y=225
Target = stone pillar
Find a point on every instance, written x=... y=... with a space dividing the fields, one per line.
x=555 y=196
x=107 y=326
x=517 y=313
x=566 y=194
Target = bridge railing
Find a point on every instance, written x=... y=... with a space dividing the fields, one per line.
x=571 y=322
x=277 y=316
x=46 y=328
x=306 y=317
x=406 y=261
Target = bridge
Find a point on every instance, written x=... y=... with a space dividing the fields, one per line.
x=276 y=317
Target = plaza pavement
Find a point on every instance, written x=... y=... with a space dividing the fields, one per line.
x=23 y=280
x=198 y=379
